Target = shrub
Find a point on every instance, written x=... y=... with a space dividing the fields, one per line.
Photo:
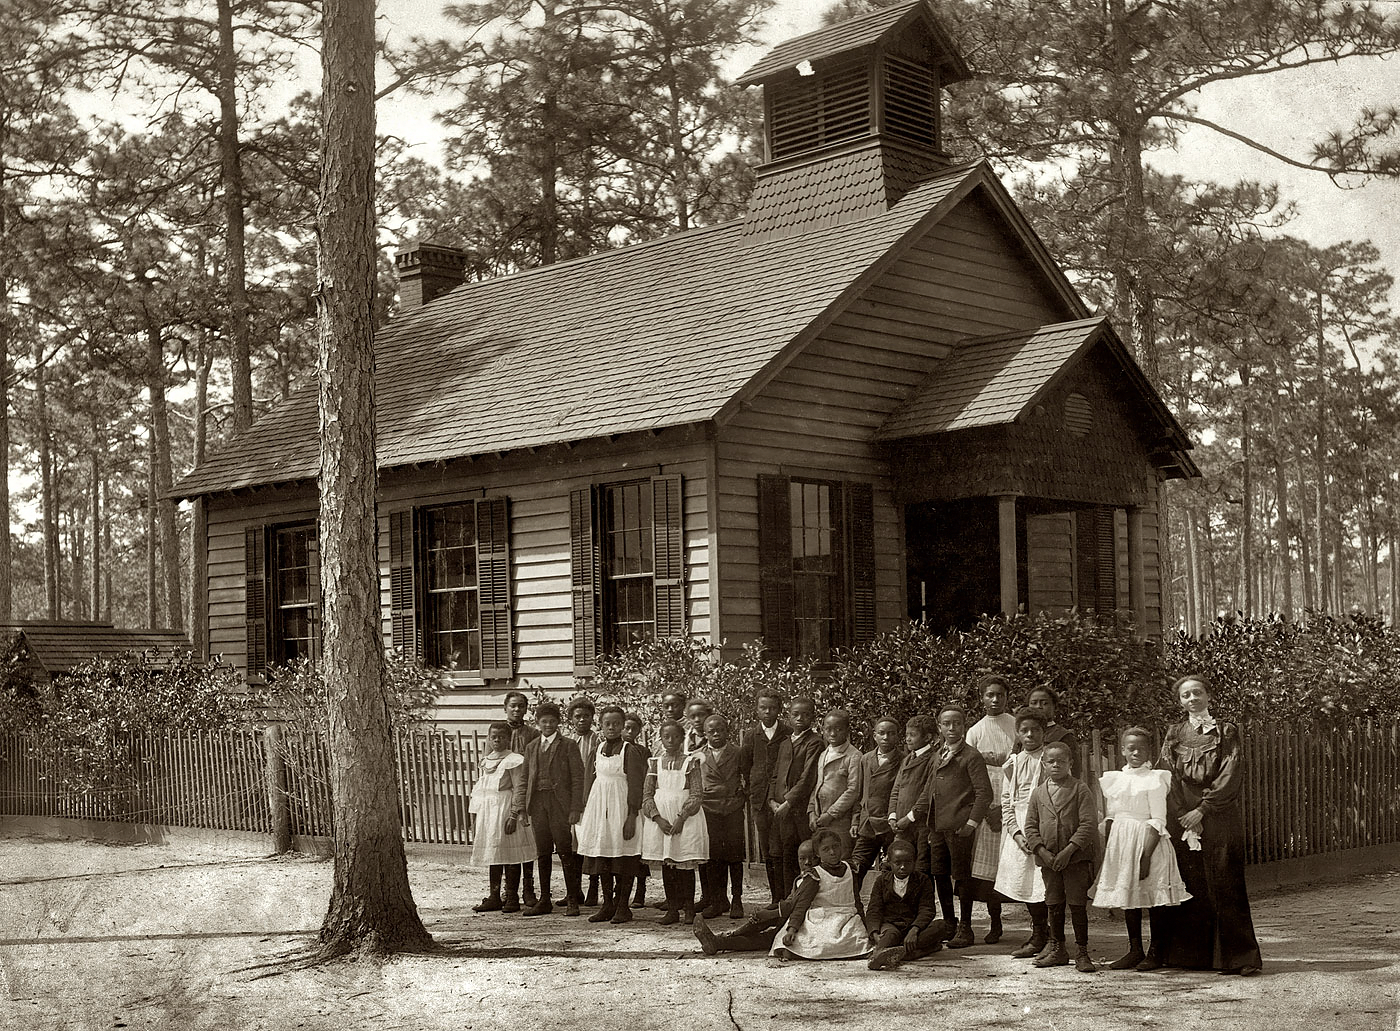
x=86 y=710
x=20 y=708
x=637 y=677
x=295 y=695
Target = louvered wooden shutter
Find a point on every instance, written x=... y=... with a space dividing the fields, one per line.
x=586 y=576
x=860 y=528
x=668 y=555
x=493 y=587
x=255 y=613
x=403 y=585
x=776 y=598
x=1097 y=561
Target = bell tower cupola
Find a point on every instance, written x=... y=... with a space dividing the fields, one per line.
x=852 y=118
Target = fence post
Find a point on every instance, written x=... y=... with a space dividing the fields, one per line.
x=278 y=798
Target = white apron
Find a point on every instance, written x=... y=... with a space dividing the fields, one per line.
x=600 y=829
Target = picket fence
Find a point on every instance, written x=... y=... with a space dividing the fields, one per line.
x=219 y=780
x=1306 y=792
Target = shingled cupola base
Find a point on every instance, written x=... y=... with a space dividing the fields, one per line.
x=427 y=271
x=852 y=119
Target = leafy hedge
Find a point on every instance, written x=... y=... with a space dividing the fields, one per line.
x=1327 y=668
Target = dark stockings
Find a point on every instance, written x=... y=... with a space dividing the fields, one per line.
x=944 y=884
x=513 y=882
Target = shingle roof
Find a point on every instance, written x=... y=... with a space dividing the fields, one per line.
x=59 y=646
x=650 y=336
x=989 y=381
x=863 y=31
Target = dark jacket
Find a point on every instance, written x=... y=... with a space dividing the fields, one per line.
x=756 y=755
x=872 y=813
x=565 y=769
x=958 y=790
x=1075 y=819
x=917 y=908
x=794 y=773
x=634 y=765
x=521 y=736
x=907 y=792
x=721 y=784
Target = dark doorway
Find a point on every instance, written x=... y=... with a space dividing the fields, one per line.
x=954 y=562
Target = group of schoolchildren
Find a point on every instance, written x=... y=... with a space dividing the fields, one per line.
x=993 y=812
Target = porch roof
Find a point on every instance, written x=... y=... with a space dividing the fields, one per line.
x=992 y=381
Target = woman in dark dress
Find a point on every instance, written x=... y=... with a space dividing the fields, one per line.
x=1213 y=929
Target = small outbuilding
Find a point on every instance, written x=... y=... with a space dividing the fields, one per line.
x=47 y=649
x=874 y=398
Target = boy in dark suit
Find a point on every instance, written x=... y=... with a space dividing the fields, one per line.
x=1062 y=827
x=554 y=793
x=790 y=789
x=901 y=911
x=957 y=798
x=908 y=816
x=758 y=747
x=870 y=823
x=521 y=733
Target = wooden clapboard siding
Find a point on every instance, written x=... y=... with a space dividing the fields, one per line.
x=816 y=417
x=539 y=546
x=229 y=518
x=1051 y=576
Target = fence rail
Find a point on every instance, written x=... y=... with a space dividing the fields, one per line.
x=219 y=780
x=1305 y=793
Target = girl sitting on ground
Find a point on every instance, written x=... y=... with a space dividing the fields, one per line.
x=827 y=919
x=674 y=833
x=1137 y=874
x=501 y=839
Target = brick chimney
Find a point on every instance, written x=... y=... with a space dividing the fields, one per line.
x=427 y=271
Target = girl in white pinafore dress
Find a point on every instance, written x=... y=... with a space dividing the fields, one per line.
x=675 y=833
x=501 y=840
x=1017 y=875
x=609 y=837
x=827 y=919
x=1139 y=868
x=993 y=736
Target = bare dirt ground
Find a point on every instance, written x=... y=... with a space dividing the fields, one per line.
x=94 y=935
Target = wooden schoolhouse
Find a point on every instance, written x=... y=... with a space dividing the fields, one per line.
x=874 y=398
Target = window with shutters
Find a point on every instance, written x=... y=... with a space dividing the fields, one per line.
x=629 y=605
x=628 y=565
x=296 y=594
x=816 y=569
x=452 y=614
x=817 y=565
x=282 y=569
x=449 y=586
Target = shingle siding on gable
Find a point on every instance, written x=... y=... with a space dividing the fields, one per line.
x=818 y=415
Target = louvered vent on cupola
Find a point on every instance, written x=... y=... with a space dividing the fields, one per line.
x=851 y=118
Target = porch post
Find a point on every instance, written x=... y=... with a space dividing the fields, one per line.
x=1006 y=527
x=1137 y=591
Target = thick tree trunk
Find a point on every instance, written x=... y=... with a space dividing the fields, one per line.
x=371 y=907
x=199 y=518
x=99 y=448
x=1247 y=556
x=6 y=551
x=231 y=175
x=152 y=535
x=107 y=550
x=1285 y=552
x=165 y=505
x=48 y=507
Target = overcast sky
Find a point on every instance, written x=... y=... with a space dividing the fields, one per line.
x=1287 y=112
